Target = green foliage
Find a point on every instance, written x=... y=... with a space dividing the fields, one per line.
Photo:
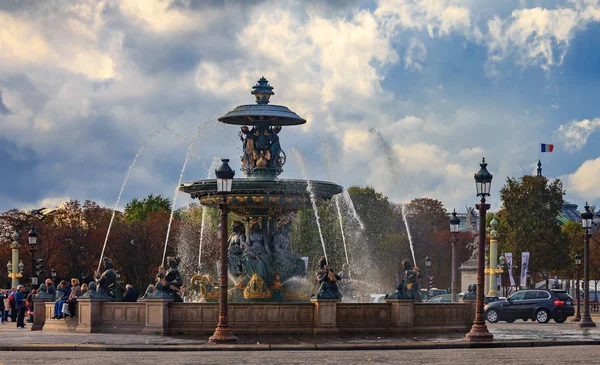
x=139 y=210
x=528 y=222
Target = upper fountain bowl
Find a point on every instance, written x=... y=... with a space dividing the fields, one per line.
x=262 y=113
x=262 y=197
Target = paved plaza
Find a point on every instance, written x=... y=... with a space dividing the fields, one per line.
x=543 y=355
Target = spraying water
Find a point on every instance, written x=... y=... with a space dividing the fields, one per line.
x=337 y=205
x=409 y=235
x=348 y=201
x=112 y=218
x=211 y=169
x=187 y=156
x=313 y=199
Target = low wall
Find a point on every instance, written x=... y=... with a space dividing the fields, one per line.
x=318 y=316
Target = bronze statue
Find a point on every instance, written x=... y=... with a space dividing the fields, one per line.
x=236 y=241
x=170 y=282
x=257 y=257
x=409 y=287
x=287 y=263
x=107 y=282
x=328 y=280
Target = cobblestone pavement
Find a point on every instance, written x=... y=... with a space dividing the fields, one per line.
x=544 y=355
x=10 y=336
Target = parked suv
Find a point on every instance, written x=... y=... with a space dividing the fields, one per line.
x=539 y=304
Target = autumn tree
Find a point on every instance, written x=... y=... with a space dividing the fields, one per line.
x=530 y=205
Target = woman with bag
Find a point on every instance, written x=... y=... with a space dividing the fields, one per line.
x=68 y=309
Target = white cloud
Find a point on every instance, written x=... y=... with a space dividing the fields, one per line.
x=538 y=36
x=438 y=17
x=415 y=55
x=584 y=181
x=574 y=134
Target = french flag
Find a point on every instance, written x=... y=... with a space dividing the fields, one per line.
x=547 y=147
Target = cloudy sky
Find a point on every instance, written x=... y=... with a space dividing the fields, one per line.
x=406 y=96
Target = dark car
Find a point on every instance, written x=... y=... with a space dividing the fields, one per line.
x=539 y=304
x=443 y=298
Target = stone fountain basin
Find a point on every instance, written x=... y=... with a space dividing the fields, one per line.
x=268 y=197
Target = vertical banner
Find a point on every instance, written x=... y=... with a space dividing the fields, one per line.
x=509 y=263
x=524 y=268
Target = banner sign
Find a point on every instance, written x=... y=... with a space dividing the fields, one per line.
x=499 y=278
x=524 y=268
x=509 y=263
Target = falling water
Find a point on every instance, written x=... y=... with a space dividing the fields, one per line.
x=348 y=201
x=112 y=218
x=209 y=175
x=313 y=199
x=409 y=236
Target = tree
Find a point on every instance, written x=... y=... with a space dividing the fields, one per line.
x=528 y=222
x=428 y=224
x=138 y=210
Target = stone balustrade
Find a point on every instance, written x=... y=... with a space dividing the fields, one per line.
x=159 y=316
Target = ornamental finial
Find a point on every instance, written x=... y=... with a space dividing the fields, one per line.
x=262 y=91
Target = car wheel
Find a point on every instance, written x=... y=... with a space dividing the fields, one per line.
x=510 y=320
x=491 y=315
x=560 y=319
x=542 y=316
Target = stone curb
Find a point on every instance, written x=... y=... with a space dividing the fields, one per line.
x=299 y=347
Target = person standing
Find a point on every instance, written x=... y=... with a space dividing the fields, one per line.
x=30 y=304
x=2 y=307
x=20 y=306
x=6 y=306
x=11 y=302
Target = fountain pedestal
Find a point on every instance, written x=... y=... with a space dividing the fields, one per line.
x=325 y=316
x=39 y=305
x=89 y=316
x=157 y=316
x=401 y=314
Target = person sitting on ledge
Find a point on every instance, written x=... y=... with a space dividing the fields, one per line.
x=75 y=292
x=62 y=295
x=130 y=295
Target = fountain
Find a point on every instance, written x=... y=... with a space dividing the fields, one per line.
x=271 y=291
x=263 y=201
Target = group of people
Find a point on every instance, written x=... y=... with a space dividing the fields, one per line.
x=65 y=296
x=14 y=305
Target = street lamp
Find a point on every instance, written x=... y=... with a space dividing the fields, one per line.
x=224 y=176
x=32 y=235
x=493 y=269
x=454 y=227
x=14 y=264
x=427 y=266
x=483 y=182
x=578 y=274
x=587 y=218
x=53 y=273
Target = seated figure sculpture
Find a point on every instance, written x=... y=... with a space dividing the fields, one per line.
x=409 y=287
x=105 y=283
x=256 y=256
x=286 y=263
x=328 y=280
x=170 y=282
x=236 y=241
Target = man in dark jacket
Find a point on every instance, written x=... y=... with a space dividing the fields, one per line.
x=130 y=295
x=20 y=305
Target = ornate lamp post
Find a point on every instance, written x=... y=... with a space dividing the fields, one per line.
x=53 y=273
x=578 y=277
x=16 y=263
x=587 y=218
x=493 y=270
x=223 y=333
x=483 y=182
x=427 y=266
x=32 y=235
x=454 y=227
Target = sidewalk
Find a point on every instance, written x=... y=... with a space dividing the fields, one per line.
x=518 y=334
